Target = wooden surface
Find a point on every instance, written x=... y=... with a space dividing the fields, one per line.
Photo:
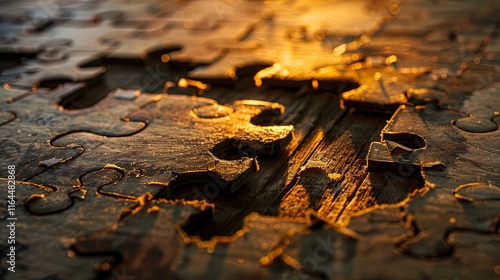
x=125 y=188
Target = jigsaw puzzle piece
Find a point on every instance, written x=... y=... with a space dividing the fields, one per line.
x=409 y=140
x=241 y=255
x=21 y=195
x=116 y=10
x=48 y=237
x=442 y=47
x=435 y=226
x=183 y=137
x=54 y=64
x=35 y=13
x=286 y=52
x=26 y=140
x=194 y=44
x=167 y=230
x=432 y=143
x=85 y=37
x=320 y=250
x=148 y=226
x=388 y=82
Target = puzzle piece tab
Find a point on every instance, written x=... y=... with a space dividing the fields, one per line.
x=26 y=140
x=150 y=227
x=433 y=143
x=183 y=137
x=299 y=39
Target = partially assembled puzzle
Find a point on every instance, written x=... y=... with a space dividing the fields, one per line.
x=242 y=139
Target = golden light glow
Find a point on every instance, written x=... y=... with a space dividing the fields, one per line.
x=391 y=59
x=165 y=58
x=182 y=83
x=394 y=9
x=315 y=84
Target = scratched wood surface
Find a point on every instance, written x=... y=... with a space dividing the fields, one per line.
x=325 y=137
x=323 y=168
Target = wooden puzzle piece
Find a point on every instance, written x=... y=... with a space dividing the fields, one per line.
x=182 y=141
x=323 y=251
x=151 y=227
x=448 y=149
x=286 y=52
x=26 y=140
x=116 y=10
x=162 y=229
x=87 y=38
x=370 y=244
x=374 y=82
x=156 y=27
x=244 y=252
x=194 y=44
x=52 y=243
x=450 y=52
x=52 y=64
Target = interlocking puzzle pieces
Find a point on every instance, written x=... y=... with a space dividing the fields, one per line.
x=161 y=229
x=34 y=119
x=186 y=138
x=42 y=242
x=116 y=10
x=155 y=26
x=198 y=32
x=381 y=89
x=54 y=64
x=193 y=45
x=284 y=51
x=145 y=242
x=454 y=152
x=239 y=256
x=371 y=244
x=323 y=251
x=79 y=24
x=448 y=48
x=384 y=89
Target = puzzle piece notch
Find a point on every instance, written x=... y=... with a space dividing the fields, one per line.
x=432 y=239
x=477 y=192
x=161 y=164
x=55 y=64
x=324 y=252
x=285 y=52
x=148 y=225
x=171 y=246
x=33 y=134
x=286 y=252
x=452 y=162
x=481 y=106
x=94 y=214
x=46 y=204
